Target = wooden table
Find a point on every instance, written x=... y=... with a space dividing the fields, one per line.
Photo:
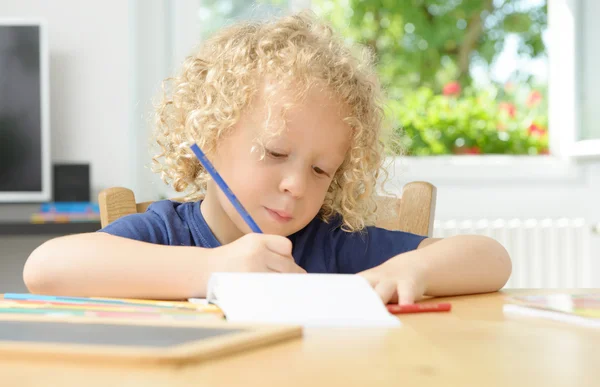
x=474 y=345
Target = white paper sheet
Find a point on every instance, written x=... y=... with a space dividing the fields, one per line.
x=299 y=299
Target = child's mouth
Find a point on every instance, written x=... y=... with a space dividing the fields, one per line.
x=279 y=216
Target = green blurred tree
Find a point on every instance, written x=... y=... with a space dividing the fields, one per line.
x=432 y=42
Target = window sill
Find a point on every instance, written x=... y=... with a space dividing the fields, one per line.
x=585 y=149
x=484 y=169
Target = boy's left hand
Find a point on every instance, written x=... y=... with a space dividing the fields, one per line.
x=401 y=279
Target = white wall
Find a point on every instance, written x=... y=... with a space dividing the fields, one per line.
x=89 y=83
x=512 y=188
x=151 y=49
x=159 y=44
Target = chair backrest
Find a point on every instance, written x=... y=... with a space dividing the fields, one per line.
x=413 y=213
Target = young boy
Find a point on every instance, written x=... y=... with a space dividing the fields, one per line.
x=292 y=121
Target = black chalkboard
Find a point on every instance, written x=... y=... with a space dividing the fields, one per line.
x=106 y=334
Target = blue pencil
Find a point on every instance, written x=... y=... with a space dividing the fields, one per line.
x=225 y=188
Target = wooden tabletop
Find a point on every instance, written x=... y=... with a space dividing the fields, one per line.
x=474 y=345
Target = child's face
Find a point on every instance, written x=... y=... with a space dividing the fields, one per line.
x=285 y=190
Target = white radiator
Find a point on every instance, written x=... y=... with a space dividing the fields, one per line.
x=548 y=253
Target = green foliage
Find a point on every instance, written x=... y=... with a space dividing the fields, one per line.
x=429 y=46
x=474 y=123
x=432 y=42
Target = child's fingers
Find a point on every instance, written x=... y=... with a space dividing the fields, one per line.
x=277 y=244
x=385 y=290
x=406 y=293
x=283 y=264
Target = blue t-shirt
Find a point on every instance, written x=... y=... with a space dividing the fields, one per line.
x=318 y=248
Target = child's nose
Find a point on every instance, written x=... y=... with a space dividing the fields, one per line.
x=294 y=183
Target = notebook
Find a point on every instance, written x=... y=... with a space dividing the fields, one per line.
x=340 y=300
x=579 y=309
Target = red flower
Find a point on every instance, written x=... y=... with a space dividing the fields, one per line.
x=535 y=130
x=474 y=150
x=545 y=151
x=465 y=150
x=452 y=89
x=535 y=97
x=509 y=108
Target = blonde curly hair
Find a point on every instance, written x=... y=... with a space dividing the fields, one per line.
x=206 y=98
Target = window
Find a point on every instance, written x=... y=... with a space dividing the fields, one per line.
x=563 y=58
x=213 y=14
x=191 y=21
x=575 y=85
x=463 y=76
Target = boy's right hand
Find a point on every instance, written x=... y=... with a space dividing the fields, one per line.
x=257 y=253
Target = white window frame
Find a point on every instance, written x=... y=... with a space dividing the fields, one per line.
x=568 y=34
x=151 y=40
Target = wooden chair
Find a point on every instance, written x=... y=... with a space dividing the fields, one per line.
x=413 y=213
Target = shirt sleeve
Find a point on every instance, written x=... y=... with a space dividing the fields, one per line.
x=359 y=251
x=160 y=224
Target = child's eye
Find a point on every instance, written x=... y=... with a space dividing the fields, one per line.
x=274 y=154
x=319 y=171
